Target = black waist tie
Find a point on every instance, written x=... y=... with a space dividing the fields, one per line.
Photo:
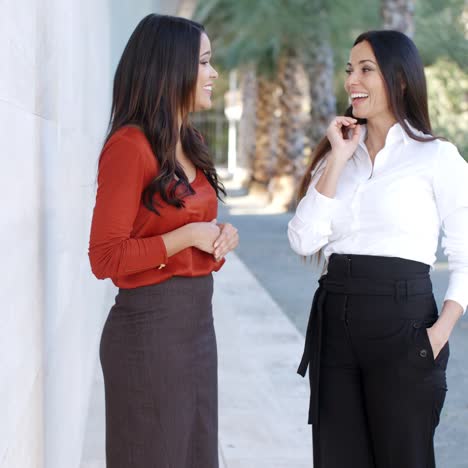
x=356 y=275
x=312 y=349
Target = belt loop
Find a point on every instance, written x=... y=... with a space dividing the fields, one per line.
x=401 y=290
x=348 y=264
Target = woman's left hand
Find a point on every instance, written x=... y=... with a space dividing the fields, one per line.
x=228 y=240
x=440 y=332
x=437 y=340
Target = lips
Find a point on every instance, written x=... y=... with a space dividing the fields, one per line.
x=208 y=88
x=358 y=98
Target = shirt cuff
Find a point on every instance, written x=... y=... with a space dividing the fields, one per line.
x=163 y=259
x=458 y=290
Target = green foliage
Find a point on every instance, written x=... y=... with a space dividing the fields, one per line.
x=441 y=30
x=448 y=103
x=347 y=21
x=259 y=32
x=440 y=33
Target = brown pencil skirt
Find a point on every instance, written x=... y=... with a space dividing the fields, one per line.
x=159 y=360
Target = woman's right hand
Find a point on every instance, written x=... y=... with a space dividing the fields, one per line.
x=204 y=235
x=343 y=147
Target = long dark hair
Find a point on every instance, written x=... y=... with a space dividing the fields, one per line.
x=155 y=86
x=403 y=74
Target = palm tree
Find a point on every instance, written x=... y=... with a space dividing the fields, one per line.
x=399 y=15
x=320 y=69
x=240 y=45
x=293 y=121
x=274 y=36
x=310 y=74
x=246 y=142
x=266 y=130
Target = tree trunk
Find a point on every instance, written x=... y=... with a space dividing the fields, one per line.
x=320 y=71
x=294 y=120
x=398 y=15
x=266 y=129
x=247 y=124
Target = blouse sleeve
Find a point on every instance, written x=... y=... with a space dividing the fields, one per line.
x=451 y=194
x=112 y=250
x=310 y=228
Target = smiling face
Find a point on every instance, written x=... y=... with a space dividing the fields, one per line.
x=206 y=76
x=365 y=84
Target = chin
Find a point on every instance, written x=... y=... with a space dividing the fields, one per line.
x=205 y=105
x=359 y=115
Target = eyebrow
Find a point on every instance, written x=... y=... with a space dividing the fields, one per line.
x=361 y=61
x=208 y=52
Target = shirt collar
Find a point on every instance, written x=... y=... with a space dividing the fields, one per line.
x=415 y=131
x=395 y=134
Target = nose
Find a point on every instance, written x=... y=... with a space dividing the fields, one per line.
x=351 y=79
x=214 y=73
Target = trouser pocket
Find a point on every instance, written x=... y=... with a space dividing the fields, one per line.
x=421 y=353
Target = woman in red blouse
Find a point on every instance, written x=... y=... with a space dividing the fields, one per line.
x=154 y=233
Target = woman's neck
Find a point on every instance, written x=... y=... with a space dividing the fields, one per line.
x=179 y=150
x=377 y=131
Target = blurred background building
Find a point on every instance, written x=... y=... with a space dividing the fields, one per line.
x=282 y=66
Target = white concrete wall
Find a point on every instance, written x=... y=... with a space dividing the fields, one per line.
x=57 y=64
x=73 y=48
x=54 y=100
x=21 y=369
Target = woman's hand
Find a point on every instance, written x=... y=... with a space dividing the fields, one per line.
x=228 y=240
x=437 y=340
x=343 y=134
x=342 y=150
x=204 y=235
x=440 y=332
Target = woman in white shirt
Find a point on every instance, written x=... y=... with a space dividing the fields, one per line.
x=377 y=191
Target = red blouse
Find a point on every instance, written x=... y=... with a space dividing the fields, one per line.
x=125 y=243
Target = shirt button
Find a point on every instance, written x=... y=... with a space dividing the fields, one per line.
x=416 y=325
x=423 y=353
x=160 y=267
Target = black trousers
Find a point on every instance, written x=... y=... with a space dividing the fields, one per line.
x=376 y=389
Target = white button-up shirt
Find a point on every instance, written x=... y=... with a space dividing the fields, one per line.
x=394 y=208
